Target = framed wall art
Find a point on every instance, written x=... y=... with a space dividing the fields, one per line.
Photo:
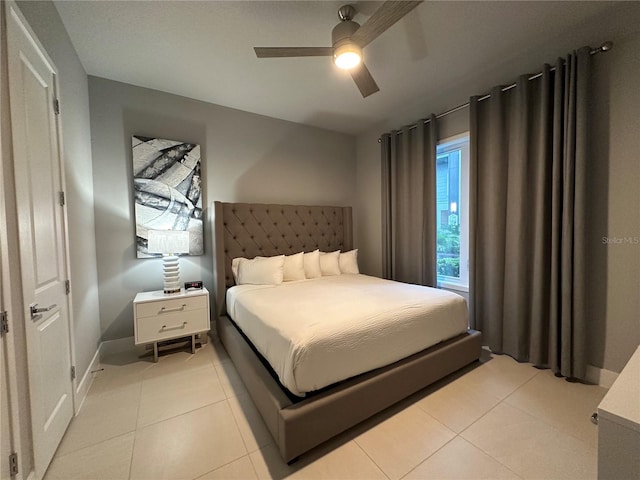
x=167 y=190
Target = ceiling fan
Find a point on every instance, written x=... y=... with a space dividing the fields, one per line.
x=348 y=39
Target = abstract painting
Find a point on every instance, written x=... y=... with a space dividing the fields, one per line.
x=168 y=190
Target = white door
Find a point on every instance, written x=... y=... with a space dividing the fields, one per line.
x=37 y=166
x=5 y=426
x=5 y=419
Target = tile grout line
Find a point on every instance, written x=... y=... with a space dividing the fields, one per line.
x=539 y=372
x=226 y=399
x=490 y=456
x=255 y=470
x=355 y=440
x=519 y=409
x=76 y=450
x=502 y=400
x=553 y=426
x=429 y=456
x=253 y=467
x=545 y=420
x=423 y=408
x=222 y=466
x=459 y=434
x=211 y=365
x=440 y=448
x=135 y=433
x=92 y=444
x=179 y=414
x=235 y=421
x=142 y=380
x=215 y=367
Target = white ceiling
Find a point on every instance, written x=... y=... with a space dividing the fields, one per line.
x=439 y=54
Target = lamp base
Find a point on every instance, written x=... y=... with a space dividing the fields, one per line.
x=171 y=274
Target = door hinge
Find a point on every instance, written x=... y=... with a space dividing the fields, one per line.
x=13 y=464
x=56 y=106
x=73 y=372
x=4 y=323
x=61 y=198
x=67 y=287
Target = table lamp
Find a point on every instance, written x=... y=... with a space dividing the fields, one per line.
x=169 y=243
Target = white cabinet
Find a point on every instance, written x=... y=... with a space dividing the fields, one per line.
x=159 y=317
x=619 y=426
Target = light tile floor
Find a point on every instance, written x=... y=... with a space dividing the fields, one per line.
x=190 y=417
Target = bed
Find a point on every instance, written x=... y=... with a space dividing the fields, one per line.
x=302 y=418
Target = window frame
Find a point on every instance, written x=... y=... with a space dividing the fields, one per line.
x=445 y=145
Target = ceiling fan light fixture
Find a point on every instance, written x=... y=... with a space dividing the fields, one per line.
x=348 y=38
x=347 y=56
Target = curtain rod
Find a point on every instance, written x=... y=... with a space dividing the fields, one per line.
x=605 y=47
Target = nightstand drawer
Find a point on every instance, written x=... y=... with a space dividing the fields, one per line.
x=176 y=305
x=171 y=325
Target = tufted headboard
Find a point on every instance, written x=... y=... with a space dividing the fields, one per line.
x=255 y=229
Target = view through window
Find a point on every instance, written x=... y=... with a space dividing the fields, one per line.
x=452 y=200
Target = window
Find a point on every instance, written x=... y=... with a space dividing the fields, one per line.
x=452 y=202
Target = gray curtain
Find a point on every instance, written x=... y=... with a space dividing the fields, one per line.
x=527 y=199
x=409 y=204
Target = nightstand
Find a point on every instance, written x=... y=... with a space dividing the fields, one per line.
x=158 y=317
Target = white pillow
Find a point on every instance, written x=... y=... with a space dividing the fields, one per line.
x=330 y=263
x=294 y=267
x=349 y=261
x=260 y=270
x=235 y=264
x=312 y=264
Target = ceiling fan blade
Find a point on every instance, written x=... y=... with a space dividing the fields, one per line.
x=388 y=14
x=364 y=81
x=273 y=52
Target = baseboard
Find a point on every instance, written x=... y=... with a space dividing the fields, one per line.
x=109 y=347
x=601 y=376
x=87 y=379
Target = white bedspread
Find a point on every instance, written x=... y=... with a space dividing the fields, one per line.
x=320 y=331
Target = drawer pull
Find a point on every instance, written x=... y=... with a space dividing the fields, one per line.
x=179 y=309
x=175 y=327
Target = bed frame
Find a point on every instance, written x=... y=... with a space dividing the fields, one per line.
x=248 y=230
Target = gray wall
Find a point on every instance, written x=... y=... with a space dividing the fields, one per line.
x=614 y=281
x=74 y=100
x=245 y=157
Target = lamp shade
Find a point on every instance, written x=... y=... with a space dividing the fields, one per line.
x=168 y=241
